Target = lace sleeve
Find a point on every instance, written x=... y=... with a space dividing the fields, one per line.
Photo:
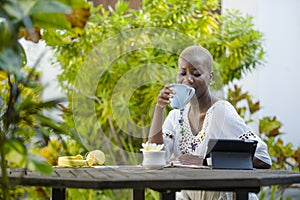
x=169 y=133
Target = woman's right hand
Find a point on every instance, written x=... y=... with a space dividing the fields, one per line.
x=165 y=95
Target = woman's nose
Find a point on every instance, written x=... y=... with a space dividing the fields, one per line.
x=189 y=79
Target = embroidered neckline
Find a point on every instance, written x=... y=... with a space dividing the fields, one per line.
x=188 y=141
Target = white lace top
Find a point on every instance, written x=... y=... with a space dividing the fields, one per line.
x=221 y=122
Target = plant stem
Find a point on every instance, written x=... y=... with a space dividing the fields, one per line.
x=4 y=182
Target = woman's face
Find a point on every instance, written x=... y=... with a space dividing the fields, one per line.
x=194 y=70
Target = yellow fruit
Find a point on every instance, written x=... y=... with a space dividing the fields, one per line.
x=78 y=157
x=90 y=162
x=71 y=161
x=98 y=157
x=95 y=157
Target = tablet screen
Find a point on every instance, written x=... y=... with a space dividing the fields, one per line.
x=231 y=153
x=232 y=145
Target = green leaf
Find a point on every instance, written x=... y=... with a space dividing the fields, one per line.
x=18 y=9
x=269 y=126
x=36 y=163
x=26 y=103
x=16 y=152
x=5 y=32
x=51 y=20
x=22 y=53
x=48 y=122
x=10 y=60
x=74 y=3
x=52 y=103
x=49 y=6
x=56 y=38
x=1 y=102
x=121 y=6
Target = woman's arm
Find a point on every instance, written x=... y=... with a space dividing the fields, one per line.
x=260 y=164
x=155 y=135
x=188 y=159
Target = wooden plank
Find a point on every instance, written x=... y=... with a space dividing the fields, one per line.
x=148 y=175
x=116 y=175
x=17 y=172
x=166 y=179
x=38 y=174
x=81 y=174
x=99 y=175
x=65 y=173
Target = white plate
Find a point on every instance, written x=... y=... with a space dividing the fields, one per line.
x=153 y=166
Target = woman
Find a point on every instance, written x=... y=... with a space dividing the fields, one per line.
x=186 y=132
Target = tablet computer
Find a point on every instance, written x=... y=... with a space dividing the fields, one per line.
x=231 y=153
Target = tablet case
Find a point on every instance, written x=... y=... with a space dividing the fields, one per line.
x=231 y=153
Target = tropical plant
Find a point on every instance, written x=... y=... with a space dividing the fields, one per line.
x=122 y=106
x=131 y=56
x=23 y=123
x=284 y=156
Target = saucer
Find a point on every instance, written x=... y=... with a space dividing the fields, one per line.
x=153 y=166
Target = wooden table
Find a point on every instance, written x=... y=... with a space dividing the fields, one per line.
x=166 y=181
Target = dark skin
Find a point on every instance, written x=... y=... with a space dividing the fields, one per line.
x=194 y=71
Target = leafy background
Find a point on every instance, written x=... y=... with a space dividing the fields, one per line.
x=73 y=29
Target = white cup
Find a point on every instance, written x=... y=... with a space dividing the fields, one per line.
x=183 y=94
x=154 y=159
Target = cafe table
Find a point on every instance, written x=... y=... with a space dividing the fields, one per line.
x=167 y=180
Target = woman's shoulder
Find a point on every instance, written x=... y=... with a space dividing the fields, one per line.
x=222 y=107
x=221 y=104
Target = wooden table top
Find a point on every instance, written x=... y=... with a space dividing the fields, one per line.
x=136 y=177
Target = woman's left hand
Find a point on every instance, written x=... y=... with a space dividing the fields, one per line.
x=188 y=159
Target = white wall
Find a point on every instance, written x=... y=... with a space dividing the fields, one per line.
x=276 y=84
x=49 y=71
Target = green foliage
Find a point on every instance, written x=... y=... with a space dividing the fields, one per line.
x=284 y=156
x=235 y=96
x=231 y=38
x=84 y=194
x=124 y=114
x=242 y=50
x=23 y=122
x=276 y=193
x=123 y=104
